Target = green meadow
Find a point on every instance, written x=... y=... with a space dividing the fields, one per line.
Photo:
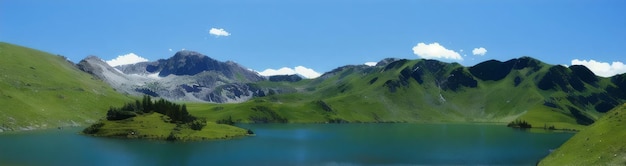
x=602 y=143
x=39 y=90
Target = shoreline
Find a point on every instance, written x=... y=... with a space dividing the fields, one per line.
x=164 y=139
x=81 y=126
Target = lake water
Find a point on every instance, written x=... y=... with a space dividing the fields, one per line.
x=295 y=144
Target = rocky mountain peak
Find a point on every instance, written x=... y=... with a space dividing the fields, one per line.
x=188 y=75
x=100 y=69
x=92 y=64
x=92 y=58
x=186 y=53
x=189 y=63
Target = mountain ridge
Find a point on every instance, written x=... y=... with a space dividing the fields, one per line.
x=429 y=90
x=395 y=90
x=186 y=76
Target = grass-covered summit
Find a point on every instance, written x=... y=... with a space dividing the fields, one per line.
x=39 y=90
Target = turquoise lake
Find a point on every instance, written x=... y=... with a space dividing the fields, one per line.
x=295 y=144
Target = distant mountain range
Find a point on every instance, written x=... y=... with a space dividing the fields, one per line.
x=39 y=90
x=395 y=90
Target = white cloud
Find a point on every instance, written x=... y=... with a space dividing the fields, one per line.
x=479 y=51
x=170 y=50
x=435 y=51
x=218 y=32
x=603 y=69
x=281 y=71
x=370 y=63
x=130 y=58
x=306 y=72
x=300 y=70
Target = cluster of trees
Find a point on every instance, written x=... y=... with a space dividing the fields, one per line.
x=519 y=124
x=176 y=112
x=337 y=120
x=551 y=127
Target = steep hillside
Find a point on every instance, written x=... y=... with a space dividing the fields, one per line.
x=433 y=91
x=600 y=144
x=40 y=90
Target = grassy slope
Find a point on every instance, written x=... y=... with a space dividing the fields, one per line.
x=602 y=143
x=359 y=94
x=423 y=102
x=40 y=90
x=152 y=126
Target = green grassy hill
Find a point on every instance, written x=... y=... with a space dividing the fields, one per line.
x=602 y=143
x=160 y=120
x=152 y=126
x=432 y=91
x=40 y=90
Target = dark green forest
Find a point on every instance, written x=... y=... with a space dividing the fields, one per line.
x=177 y=113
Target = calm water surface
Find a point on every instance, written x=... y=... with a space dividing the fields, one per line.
x=295 y=144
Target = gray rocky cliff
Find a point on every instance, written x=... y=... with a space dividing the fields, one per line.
x=187 y=76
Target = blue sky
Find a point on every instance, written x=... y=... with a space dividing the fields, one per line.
x=325 y=34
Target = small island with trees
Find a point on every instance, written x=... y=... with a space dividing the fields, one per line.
x=519 y=124
x=160 y=120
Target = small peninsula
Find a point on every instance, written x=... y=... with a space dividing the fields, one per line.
x=160 y=120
